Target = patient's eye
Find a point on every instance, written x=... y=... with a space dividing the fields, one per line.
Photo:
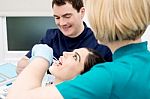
x=75 y=57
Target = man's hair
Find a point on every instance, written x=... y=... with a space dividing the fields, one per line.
x=94 y=57
x=76 y=4
x=117 y=20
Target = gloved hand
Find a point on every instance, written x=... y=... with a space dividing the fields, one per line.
x=43 y=50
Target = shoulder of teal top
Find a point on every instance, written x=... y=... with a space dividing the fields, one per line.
x=91 y=85
x=130 y=49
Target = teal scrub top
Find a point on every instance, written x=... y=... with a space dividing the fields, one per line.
x=127 y=77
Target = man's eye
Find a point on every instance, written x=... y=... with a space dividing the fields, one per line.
x=75 y=57
x=57 y=18
x=67 y=16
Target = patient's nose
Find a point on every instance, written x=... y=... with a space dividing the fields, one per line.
x=66 y=54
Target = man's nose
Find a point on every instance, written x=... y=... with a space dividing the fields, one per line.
x=62 y=21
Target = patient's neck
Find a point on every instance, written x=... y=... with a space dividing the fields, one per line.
x=57 y=81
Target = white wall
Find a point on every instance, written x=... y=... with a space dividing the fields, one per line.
x=25 y=7
x=146 y=36
x=1 y=40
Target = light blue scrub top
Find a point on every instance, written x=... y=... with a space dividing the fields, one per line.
x=127 y=77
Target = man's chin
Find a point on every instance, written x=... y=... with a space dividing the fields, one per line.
x=67 y=33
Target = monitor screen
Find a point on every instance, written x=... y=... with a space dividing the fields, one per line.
x=24 y=32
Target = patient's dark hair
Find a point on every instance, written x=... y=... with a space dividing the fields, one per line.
x=76 y=4
x=94 y=57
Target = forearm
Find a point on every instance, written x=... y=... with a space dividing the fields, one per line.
x=34 y=73
x=31 y=77
x=28 y=83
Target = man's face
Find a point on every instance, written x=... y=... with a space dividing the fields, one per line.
x=68 y=20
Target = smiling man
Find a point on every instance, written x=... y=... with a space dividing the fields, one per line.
x=72 y=33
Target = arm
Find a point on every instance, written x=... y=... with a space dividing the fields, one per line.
x=22 y=64
x=29 y=83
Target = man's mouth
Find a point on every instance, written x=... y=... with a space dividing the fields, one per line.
x=66 y=28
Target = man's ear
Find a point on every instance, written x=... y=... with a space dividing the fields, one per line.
x=82 y=12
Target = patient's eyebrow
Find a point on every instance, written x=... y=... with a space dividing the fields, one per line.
x=78 y=56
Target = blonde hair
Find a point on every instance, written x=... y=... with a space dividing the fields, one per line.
x=116 y=20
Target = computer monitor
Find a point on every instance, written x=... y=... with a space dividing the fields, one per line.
x=24 y=32
x=19 y=34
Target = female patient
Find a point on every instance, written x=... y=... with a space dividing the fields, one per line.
x=70 y=65
x=73 y=63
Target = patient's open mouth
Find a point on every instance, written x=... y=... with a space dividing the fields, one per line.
x=57 y=60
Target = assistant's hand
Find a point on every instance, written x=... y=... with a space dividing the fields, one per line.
x=43 y=50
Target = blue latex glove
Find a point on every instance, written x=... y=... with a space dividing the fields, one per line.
x=43 y=50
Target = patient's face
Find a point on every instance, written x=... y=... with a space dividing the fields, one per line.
x=72 y=64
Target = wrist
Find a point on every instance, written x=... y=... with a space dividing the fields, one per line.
x=41 y=59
